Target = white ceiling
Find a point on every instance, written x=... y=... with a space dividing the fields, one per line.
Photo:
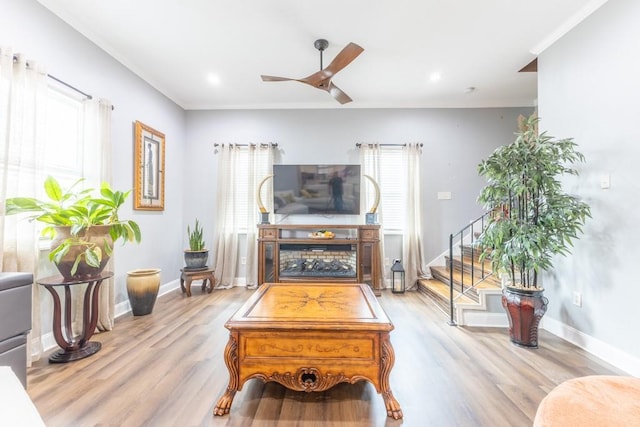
x=175 y=45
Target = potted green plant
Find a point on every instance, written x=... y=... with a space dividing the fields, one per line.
x=197 y=255
x=532 y=220
x=83 y=226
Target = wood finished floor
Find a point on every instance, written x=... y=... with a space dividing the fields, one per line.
x=167 y=369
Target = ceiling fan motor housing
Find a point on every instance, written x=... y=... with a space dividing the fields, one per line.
x=321 y=44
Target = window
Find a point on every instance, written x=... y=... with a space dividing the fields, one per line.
x=63 y=144
x=242 y=187
x=392 y=181
x=59 y=152
x=63 y=147
x=245 y=182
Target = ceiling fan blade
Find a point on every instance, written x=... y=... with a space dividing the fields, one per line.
x=344 y=58
x=322 y=79
x=275 y=79
x=338 y=94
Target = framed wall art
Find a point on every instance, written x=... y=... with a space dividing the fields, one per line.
x=149 y=168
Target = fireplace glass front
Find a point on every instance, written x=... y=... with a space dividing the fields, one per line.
x=318 y=260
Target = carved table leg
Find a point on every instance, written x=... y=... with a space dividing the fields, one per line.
x=388 y=358
x=212 y=282
x=182 y=282
x=187 y=286
x=231 y=360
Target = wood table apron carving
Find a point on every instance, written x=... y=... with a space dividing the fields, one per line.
x=74 y=347
x=310 y=337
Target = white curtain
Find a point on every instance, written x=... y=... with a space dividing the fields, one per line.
x=96 y=168
x=240 y=169
x=23 y=106
x=412 y=236
x=373 y=161
x=370 y=158
x=24 y=95
x=226 y=236
x=260 y=165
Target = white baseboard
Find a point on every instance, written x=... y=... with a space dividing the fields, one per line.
x=478 y=315
x=467 y=316
x=604 y=351
x=49 y=342
x=484 y=319
x=125 y=307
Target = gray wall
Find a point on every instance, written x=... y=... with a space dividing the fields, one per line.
x=587 y=91
x=589 y=86
x=455 y=140
x=29 y=28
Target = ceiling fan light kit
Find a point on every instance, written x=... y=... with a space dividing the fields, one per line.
x=322 y=79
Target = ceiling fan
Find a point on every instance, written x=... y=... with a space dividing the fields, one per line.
x=322 y=79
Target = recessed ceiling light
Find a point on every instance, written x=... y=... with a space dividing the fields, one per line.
x=434 y=77
x=213 y=79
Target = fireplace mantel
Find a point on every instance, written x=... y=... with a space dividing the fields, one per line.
x=280 y=247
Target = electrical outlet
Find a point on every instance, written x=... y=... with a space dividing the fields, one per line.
x=386 y=261
x=243 y=260
x=577 y=299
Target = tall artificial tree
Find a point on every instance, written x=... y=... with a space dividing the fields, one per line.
x=532 y=218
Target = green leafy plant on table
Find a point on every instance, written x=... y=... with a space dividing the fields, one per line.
x=78 y=211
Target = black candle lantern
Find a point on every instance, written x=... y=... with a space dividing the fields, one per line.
x=397 y=277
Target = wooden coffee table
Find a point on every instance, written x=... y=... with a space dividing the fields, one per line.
x=310 y=337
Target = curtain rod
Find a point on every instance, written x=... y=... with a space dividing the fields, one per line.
x=15 y=58
x=74 y=88
x=264 y=144
x=69 y=86
x=360 y=144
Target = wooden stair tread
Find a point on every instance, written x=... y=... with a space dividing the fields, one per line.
x=457 y=277
x=488 y=284
x=458 y=270
x=468 y=263
x=442 y=290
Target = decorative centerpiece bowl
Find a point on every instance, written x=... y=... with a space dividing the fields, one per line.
x=322 y=234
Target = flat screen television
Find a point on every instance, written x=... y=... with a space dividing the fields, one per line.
x=316 y=189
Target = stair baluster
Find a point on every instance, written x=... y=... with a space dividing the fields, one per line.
x=468 y=232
